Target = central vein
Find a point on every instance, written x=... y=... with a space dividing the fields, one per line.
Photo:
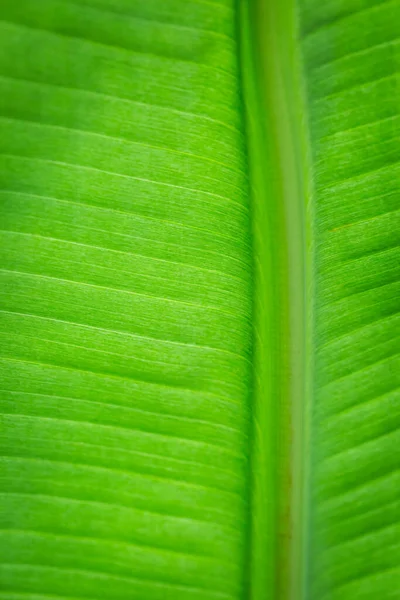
x=278 y=172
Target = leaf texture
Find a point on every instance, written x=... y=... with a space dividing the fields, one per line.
x=352 y=62
x=125 y=316
x=172 y=313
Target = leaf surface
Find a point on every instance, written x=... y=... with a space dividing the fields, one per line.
x=351 y=62
x=199 y=241
x=125 y=316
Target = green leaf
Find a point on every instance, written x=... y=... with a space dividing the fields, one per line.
x=352 y=60
x=199 y=303
x=126 y=301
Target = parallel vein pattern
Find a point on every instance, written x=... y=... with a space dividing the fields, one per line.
x=352 y=66
x=125 y=301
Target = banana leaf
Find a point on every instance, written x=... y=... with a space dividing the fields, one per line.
x=199 y=300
